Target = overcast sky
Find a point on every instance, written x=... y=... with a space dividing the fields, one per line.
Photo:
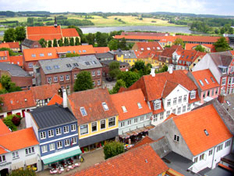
x=219 y=7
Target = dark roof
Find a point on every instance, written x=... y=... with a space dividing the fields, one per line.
x=105 y=55
x=27 y=42
x=50 y=116
x=221 y=58
x=108 y=62
x=14 y=70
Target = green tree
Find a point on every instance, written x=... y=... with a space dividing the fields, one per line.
x=200 y=48
x=55 y=43
x=9 y=86
x=90 y=39
x=101 y=39
x=123 y=44
x=129 y=77
x=42 y=42
x=11 y=53
x=66 y=42
x=113 y=44
x=163 y=69
x=49 y=43
x=112 y=149
x=83 y=82
x=8 y=122
x=20 y=33
x=9 y=35
x=222 y=45
x=179 y=41
x=141 y=68
x=60 y=42
x=26 y=172
x=72 y=55
x=72 y=43
x=30 y=21
x=119 y=83
x=77 y=41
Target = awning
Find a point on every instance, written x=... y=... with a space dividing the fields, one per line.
x=136 y=132
x=64 y=154
x=17 y=165
x=31 y=161
x=98 y=138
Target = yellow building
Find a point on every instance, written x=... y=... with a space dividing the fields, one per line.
x=96 y=115
x=126 y=56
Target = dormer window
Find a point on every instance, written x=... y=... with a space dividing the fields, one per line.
x=33 y=55
x=139 y=105
x=105 y=107
x=206 y=81
x=201 y=82
x=212 y=79
x=193 y=94
x=223 y=69
x=83 y=111
x=124 y=109
x=157 y=104
x=42 y=55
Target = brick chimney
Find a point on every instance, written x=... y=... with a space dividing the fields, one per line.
x=221 y=98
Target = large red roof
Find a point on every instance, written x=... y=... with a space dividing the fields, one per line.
x=101 y=49
x=3 y=128
x=70 y=32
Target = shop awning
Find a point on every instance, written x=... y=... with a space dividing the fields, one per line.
x=61 y=155
x=136 y=132
x=17 y=165
x=31 y=161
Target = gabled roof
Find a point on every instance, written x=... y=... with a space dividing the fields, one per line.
x=192 y=46
x=80 y=49
x=147 y=46
x=28 y=42
x=56 y=99
x=10 y=45
x=45 y=91
x=51 y=116
x=13 y=70
x=167 y=52
x=205 y=79
x=17 y=100
x=143 y=141
x=221 y=58
x=17 y=60
x=189 y=56
x=10 y=142
x=101 y=49
x=130 y=100
x=146 y=33
x=91 y=101
x=192 y=127
x=70 y=32
x=129 y=54
x=3 y=128
x=140 y=161
x=147 y=54
x=105 y=55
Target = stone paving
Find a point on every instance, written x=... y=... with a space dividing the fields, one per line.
x=90 y=159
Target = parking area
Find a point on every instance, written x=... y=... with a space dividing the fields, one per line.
x=108 y=85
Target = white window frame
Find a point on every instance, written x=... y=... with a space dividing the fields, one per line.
x=61 y=78
x=94 y=124
x=83 y=111
x=73 y=127
x=101 y=124
x=15 y=155
x=105 y=106
x=52 y=146
x=67 y=142
x=43 y=135
x=59 y=144
x=44 y=149
x=86 y=127
x=67 y=77
x=2 y=158
x=65 y=129
x=50 y=133
x=110 y=120
x=139 y=105
x=74 y=140
x=58 y=131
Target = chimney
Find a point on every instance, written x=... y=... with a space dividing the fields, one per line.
x=152 y=72
x=221 y=98
x=55 y=22
x=64 y=98
x=170 y=68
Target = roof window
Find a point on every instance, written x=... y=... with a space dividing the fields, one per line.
x=206 y=81
x=212 y=79
x=49 y=54
x=206 y=132
x=139 y=105
x=105 y=107
x=124 y=109
x=56 y=66
x=68 y=65
x=48 y=68
x=33 y=55
x=201 y=82
x=83 y=111
x=42 y=54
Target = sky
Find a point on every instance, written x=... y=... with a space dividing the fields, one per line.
x=217 y=7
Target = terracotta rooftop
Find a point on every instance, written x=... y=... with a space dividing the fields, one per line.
x=140 y=161
x=3 y=128
x=133 y=101
x=80 y=49
x=192 y=46
x=18 y=60
x=10 y=45
x=55 y=99
x=194 y=125
x=99 y=50
x=167 y=52
x=91 y=101
x=10 y=141
x=146 y=46
x=145 y=140
x=70 y=32
x=189 y=56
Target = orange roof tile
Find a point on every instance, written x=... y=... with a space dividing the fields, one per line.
x=192 y=125
x=169 y=51
x=130 y=100
x=140 y=161
x=55 y=99
x=206 y=78
x=147 y=54
x=70 y=32
x=35 y=54
x=18 y=60
x=192 y=46
x=4 y=45
x=17 y=100
x=45 y=91
x=145 y=140
x=80 y=49
x=13 y=44
x=146 y=46
x=101 y=49
x=4 y=53
x=11 y=141
x=3 y=128
x=189 y=56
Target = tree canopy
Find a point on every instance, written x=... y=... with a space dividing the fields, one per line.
x=179 y=41
x=119 y=83
x=112 y=149
x=42 y=42
x=7 y=85
x=128 y=77
x=141 y=68
x=11 y=53
x=114 y=70
x=17 y=34
x=222 y=45
x=83 y=81
x=200 y=48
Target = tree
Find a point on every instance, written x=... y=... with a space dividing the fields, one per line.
x=66 y=42
x=123 y=44
x=179 y=41
x=11 y=53
x=55 y=43
x=101 y=39
x=30 y=21
x=26 y=172
x=49 y=43
x=78 y=30
x=77 y=41
x=42 y=42
x=83 y=82
x=9 y=35
x=114 y=70
x=72 y=55
x=222 y=45
x=119 y=83
x=129 y=77
x=7 y=85
x=200 y=48
x=163 y=69
x=8 y=122
x=141 y=68
x=72 y=43
x=112 y=149
x=113 y=44
x=60 y=42
x=90 y=39
x=20 y=33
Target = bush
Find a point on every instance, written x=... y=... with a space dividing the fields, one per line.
x=26 y=172
x=16 y=120
x=8 y=122
x=113 y=148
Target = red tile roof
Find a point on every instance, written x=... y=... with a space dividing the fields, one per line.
x=145 y=33
x=146 y=46
x=45 y=91
x=13 y=44
x=6 y=55
x=130 y=100
x=92 y=101
x=81 y=49
x=17 y=100
x=189 y=56
x=18 y=60
x=201 y=76
x=192 y=46
x=70 y=32
x=148 y=54
x=55 y=99
x=101 y=49
x=140 y=161
x=145 y=140
x=11 y=141
x=35 y=54
x=192 y=127
x=169 y=51
x=4 y=45
x=3 y=128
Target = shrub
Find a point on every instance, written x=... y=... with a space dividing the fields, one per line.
x=113 y=148
x=8 y=122
x=16 y=120
x=26 y=172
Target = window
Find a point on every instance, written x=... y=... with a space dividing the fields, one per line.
x=55 y=79
x=142 y=118
x=59 y=144
x=122 y=124
x=67 y=142
x=43 y=135
x=75 y=64
x=49 y=80
x=193 y=94
x=195 y=160
x=202 y=156
x=29 y=150
x=74 y=140
x=135 y=120
x=33 y=55
x=61 y=78
x=58 y=131
x=67 y=77
x=124 y=109
x=44 y=148
x=184 y=108
x=185 y=98
x=206 y=81
x=83 y=111
x=50 y=133
x=224 y=81
x=94 y=126
x=174 y=100
x=168 y=113
x=68 y=65
x=42 y=54
x=65 y=129
x=93 y=73
x=73 y=127
x=179 y=110
x=103 y=124
x=161 y=115
x=210 y=152
x=174 y=111
x=111 y=121
x=201 y=82
x=155 y=118
x=105 y=107
x=139 y=105
x=98 y=72
x=180 y=99
x=98 y=82
x=129 y=122
x=169 y=102
x=212 y=79
x=189 y=107
x=84 y=129
x=52 y=146
x=176 y=138
x=220 y=147
x=15 y=155
x=228 y=143
x=2 y=158
x=49 y=54
x=157 y=104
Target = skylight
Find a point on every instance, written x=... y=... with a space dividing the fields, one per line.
x=33 y=55
x=75 y=64
x=201 y=82
x=212 y=79
x=56 y=66
x=105 y=107
x=139 y=105
x=68 y=65
x=83 y=111
x=42 y=55
x=49 y=54
x=206 y=132
x=124 y=109
x=206 y=81
x=48 y=68
x=87 y=63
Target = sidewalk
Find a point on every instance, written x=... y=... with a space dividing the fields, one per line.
x=91 y=158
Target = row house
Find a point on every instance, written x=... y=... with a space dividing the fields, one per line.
x=207 y=47
x=18 y=153
x=33 y=55
x=14 y=46
x=123 y=66
x=194 y=136
x=56 y=130
x=65 y=70
x=125 y=56
x=147 y=46
x=208 y=87
x=168 y=92
x=96 y=115
x=221 y=65
x=6 y=58
x=134 y=115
